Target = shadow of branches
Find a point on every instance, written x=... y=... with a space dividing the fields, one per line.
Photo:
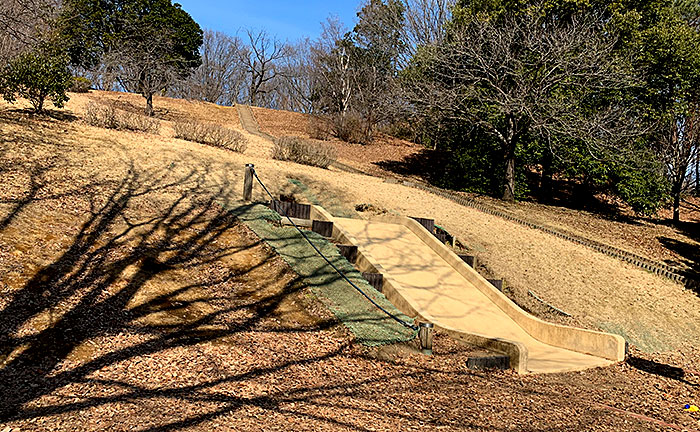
x=93 y=292
x=164 y=313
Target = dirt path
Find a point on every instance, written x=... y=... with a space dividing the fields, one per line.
x=249 y=123
x=261 y=143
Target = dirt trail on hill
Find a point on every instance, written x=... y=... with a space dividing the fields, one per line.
x=262 y=147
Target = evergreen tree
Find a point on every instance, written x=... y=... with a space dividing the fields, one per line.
x=147 y=44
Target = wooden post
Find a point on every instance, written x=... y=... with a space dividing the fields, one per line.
x=248 y=182
x=348 y=251
x=425 y=335
x=469 y=259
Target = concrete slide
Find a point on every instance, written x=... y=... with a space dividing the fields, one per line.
x=425 y=279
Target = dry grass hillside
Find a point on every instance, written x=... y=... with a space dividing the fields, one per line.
x=655 y=238
x=366 y=158
x=131 y=300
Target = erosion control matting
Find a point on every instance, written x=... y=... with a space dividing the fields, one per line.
x=369 y=324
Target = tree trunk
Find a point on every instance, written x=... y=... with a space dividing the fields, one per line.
x=676 y=189
x=510 y=142
x=547 y=183
x=676 y=207
x=149 y=104
x=509 y=186
x=697 y=172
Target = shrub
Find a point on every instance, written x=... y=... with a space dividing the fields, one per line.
x=350 y=128
x=137 y=122
x=211 y=134
x=318 y=128
x=107 y=116
x=80 y=85
x=305 y=152
x=101 y=115
x=37 y=75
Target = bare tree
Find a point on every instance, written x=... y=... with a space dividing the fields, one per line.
x=22 y=23
x=295 y=91
x=424 y=24
x=262 y=62
x=678 y=149
x=332 y=60
x=520 y=76
x=221 y=76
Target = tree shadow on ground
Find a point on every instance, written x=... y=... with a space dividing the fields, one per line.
x=425 y=163
x=89 y=291
x=688 y=251
x=690 y=258
x=152 y=227
x=47 y=114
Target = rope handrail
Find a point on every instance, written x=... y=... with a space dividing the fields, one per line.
x=340 y=273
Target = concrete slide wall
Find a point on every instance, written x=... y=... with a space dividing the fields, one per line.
x=598 y=344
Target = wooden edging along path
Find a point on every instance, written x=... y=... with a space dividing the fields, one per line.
x=658 y=268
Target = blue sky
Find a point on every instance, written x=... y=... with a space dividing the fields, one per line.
x=288 y=20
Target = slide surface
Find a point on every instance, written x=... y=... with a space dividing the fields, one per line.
x=436 y=289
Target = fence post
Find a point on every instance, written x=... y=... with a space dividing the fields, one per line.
x=425 y=335
x=248 y=182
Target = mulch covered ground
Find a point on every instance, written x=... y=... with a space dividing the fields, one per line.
x=272 y=367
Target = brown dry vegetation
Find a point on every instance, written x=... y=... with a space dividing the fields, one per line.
x=211 y=134
x=303 y=151
x=363 y=157
x=130 y=300
x=167 y=109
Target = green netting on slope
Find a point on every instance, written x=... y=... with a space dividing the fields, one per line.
x=370 y=325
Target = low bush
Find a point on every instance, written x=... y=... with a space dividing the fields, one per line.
x=350 y=128
x=80 y=85
x=100 y=115
x=318 y=128
x=138 y=122
x=305 y=152
x=211 y=134
x=107 y=116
